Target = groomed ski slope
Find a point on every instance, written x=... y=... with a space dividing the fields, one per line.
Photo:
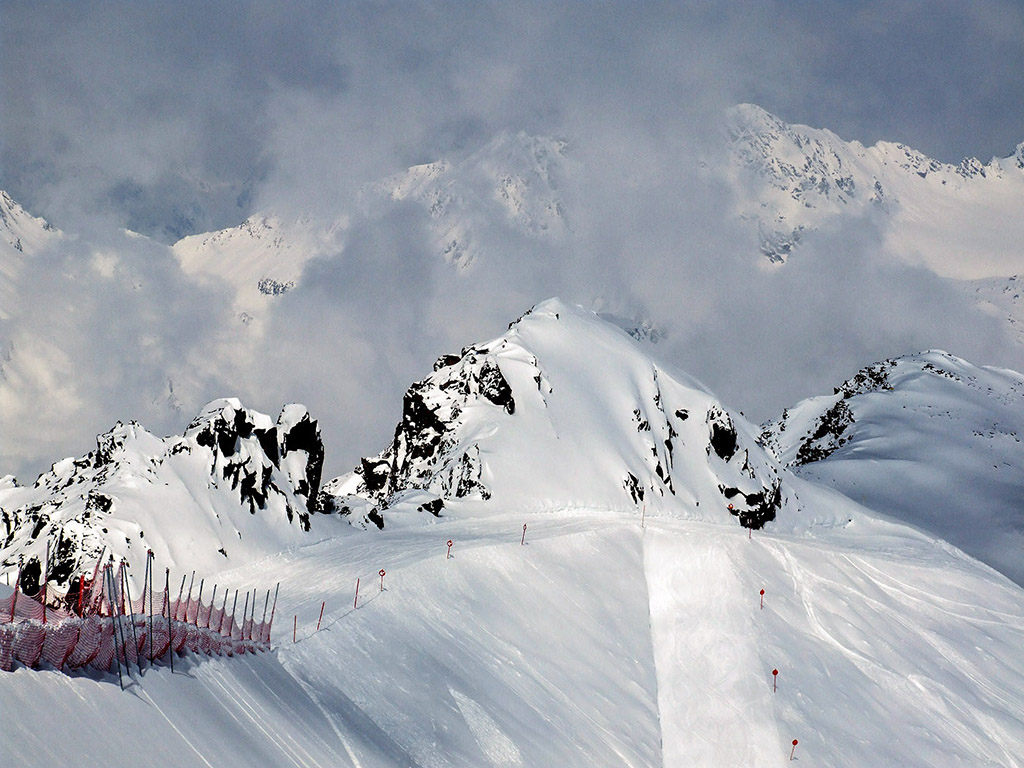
x=598 y=643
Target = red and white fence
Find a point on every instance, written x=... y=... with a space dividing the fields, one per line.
x=105 y=625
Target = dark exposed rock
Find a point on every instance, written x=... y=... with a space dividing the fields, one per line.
x=495 y=388
x=632 y=485
x=723 y=434
x=756 y=508
x=827 y=437
x=434 y=507
x=31 y=576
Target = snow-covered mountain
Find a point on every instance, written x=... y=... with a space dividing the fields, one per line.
x=21 y=236
x=513 y=181
x=261 y=258
x=236 y=485
x=600 y=605
x=961 y=221
x=930 y=439
x=565 y=410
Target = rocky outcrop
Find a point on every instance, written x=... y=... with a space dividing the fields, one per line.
x=132 y=492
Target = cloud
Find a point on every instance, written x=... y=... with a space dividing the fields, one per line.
x=184 y=117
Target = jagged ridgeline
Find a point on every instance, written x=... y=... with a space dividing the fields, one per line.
x=236 y=483
x=562 y=410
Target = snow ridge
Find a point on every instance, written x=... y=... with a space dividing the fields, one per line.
x=234 y=485
x=563 y=409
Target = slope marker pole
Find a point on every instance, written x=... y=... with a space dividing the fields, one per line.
x=321 y=615
x=382 y=574
x=355 y=603
x=793 y=750
x=775 y=680
x=449 y=553
x=762 y=599
x=523 y=540
x=295 y=626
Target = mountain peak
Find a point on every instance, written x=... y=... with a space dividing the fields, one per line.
x=564 y=410
x=234 y=482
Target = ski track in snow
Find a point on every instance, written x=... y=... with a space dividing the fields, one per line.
x=597 y=643
x=713 y=704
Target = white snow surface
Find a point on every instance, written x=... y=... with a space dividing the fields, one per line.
x=595 y=424
x=960 y=221
x=597 y=643
x=931 y=440
x=622 y=632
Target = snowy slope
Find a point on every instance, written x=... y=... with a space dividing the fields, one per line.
x=626 y=630
x=261 y=258
x=1001 y=297
x=21 y=236
x=598 y=643
x=234 y=486
x=565 y=409
x=930 y=439
x=513 y=181
x=960 y=221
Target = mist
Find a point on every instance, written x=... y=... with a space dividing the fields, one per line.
x=169 y=121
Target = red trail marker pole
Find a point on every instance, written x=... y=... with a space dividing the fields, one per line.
x=793 y=750
x=382 y=573
x=523 y=540
x=295 y=626
x=356 y=603
x=321 y=615
x=762 y=599
x=449 y=554
x=775 y=680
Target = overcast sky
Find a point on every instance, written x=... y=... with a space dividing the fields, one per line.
x=174 y=118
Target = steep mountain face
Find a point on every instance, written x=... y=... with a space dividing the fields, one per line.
x=21 y=236
x=928 y=438
x=564 y=410
x=513 y=181
x=961 y=221
x=260 y=259
x=235 y=485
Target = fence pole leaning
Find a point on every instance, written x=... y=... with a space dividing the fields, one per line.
x=109 y=584
x=131 y=619
x=170 y=629
x=272 y=609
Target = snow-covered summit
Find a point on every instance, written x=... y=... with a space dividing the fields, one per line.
x=928 y=438
x=261 y=258
x=21 y=236
x=234 y=485
x=565 y=410
x=961 y=220
x=514 y=181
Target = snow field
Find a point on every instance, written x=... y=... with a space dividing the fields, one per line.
x=598 y=643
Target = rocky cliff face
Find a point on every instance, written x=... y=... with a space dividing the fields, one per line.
x=234 y=481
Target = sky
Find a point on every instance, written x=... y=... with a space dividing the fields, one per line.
x=170 y=119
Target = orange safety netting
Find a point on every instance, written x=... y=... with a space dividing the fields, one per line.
x=114 y=627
